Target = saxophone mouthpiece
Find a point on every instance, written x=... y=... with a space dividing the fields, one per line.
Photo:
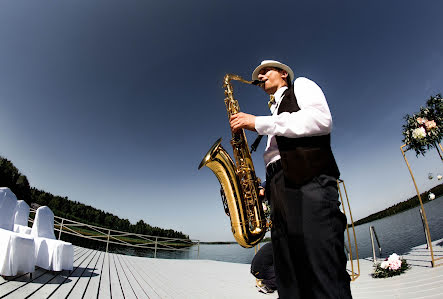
x=258 y=83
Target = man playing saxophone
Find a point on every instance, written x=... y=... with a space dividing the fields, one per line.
x=301 y=173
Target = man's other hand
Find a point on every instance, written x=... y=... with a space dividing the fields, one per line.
x=261 y=191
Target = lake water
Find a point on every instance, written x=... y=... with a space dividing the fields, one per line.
x=397 y=233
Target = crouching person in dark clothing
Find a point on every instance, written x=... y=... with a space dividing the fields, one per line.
x=262 y=267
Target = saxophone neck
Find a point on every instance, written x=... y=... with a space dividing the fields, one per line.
x=229 y=77
x=229 y=90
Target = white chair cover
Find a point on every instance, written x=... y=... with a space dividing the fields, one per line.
x=22 y=229
x=15 y=249
x=21 y=213
x=43 y=226
x=16 y=253
x=51 y=254
x=21 y=218
x=8 y=202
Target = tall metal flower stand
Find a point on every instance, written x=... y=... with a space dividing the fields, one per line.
x=423 y=213
x=354 y=275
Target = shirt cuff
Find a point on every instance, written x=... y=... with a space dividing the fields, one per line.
x=264 y=125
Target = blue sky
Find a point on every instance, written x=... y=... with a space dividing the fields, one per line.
x=114 y=103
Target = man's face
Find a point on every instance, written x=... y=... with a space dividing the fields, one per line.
x=274 y=79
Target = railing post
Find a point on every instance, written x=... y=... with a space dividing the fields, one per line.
x=198 y=250
x=61 y=228
x=424 y=228
x=347 y=252
x=155 y=250
x=372 y=242
x=107 y=242
x=373 y=233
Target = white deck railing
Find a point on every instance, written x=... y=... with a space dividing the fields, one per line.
x=110 y=236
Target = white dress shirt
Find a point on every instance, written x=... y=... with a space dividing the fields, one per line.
x=313 y=118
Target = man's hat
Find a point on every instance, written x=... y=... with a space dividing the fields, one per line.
x=272 y=63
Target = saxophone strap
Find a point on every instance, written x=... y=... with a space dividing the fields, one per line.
x=256 y=143
x=259 y=137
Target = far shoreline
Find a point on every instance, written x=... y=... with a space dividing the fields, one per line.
x=402 y=206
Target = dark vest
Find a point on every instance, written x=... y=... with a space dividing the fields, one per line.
x=306 y=157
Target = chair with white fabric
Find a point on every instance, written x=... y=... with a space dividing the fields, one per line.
x=51 y=254
x=15 y=248
x=21 y=216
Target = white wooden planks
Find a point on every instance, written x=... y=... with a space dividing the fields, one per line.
x=97 y=274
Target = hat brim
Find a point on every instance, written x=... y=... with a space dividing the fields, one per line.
x=273 y=64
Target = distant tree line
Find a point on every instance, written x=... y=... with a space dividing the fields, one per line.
x=11 y=177
x=402 y=206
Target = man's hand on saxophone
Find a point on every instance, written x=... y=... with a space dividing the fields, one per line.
x=242 y=121
x=261 y=192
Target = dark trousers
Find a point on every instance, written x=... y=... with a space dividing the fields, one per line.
x=308 y=239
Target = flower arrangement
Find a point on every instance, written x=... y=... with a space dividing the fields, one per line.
x=424 y=130
x=392 y=266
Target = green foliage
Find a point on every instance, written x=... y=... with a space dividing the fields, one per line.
x=424 y=130
x=379 y=272
x=11 y=177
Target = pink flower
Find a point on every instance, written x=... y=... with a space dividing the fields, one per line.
x=430 y=124
x=421 y=120
x=395 y=265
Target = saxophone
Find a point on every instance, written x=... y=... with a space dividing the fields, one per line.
x=239 y=184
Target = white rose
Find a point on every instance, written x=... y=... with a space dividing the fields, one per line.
x=419 y=133
x=431 y=196
x=439 y=177
x=393 y=257
x=384 y=264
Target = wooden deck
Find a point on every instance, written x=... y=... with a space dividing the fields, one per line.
x=97 y=274
x=420 y=281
